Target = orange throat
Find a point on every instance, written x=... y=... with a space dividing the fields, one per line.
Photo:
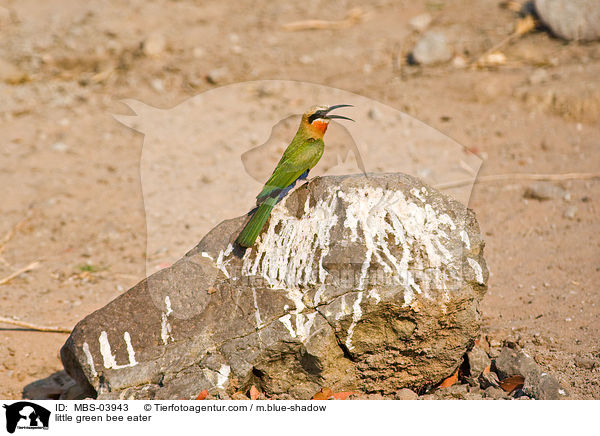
x=319 y=126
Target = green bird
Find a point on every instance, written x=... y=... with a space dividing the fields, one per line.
x=298 y=159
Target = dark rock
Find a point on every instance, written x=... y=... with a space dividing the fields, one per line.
x=538 y=384
x=369 y=284
x=577 y=20
x=478 y=360
x=489 y=379
x=495 y=393
x=50 y=388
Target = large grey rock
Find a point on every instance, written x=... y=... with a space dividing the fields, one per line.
x=577 y=20
x=356 y=283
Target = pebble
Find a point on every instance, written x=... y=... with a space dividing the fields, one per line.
x=459 y=62
x=218 y=75
x=585 y=363
x=406 y=394
x=478 y=361
x=158 y=85
x=494 y=392
x=198 y=52
x=577 y=20
x=544 y=191
x=154 y=45
x=375 y=114
x=59 y=146
x=489 y=379
x=570 y=212
x=432 y=48
x=420 y=22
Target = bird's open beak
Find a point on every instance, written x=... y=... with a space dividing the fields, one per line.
x=337 y=116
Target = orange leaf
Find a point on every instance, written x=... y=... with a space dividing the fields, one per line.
x=509 y=384
x=325 y=394
x=450 y=380
x=343 y=395
x=202 y=395
x=254 y=393
x=487 y=369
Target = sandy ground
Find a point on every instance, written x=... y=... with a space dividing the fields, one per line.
x=72 y=172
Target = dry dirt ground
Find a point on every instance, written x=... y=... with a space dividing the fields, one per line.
x=72 y=172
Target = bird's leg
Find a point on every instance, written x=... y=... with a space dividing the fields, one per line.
x=304 y=176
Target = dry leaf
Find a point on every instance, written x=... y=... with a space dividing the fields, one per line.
x=487 y=369
x=202 y=395
x=511 y=383
x=525 y=25
x=353 y=16
x=254 y=393
x=325 y=394
x=450 y=380
x=343 y=395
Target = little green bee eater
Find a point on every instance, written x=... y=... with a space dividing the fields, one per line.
x=298 y=159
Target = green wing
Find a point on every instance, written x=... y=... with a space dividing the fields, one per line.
x=295 y=160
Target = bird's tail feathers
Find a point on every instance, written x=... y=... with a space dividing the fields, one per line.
x=248 y=235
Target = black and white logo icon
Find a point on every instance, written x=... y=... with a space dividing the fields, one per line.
x=26 y=415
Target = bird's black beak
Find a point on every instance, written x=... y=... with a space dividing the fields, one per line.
x=333 y=116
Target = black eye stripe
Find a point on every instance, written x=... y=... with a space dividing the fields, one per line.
x=317 y=114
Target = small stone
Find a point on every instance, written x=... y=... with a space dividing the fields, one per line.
x=375 y=114
x=478 y=361
x=218 y=75
x=198 y=52
x=585 y=362
x=495 y=393
x=59 y=146
x=544 y=191
x=154 y=45
x=420 y=22
x=306 y=59
x=431 y=49
x=459 y=62
x=570 y=212
x=489 y=379
x=406 y=394
x=158 y=85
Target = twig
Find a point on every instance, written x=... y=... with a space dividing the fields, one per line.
x=32 y=265
x=39 y=328
x=352 y=17
x=523 y=26
x=517 y=176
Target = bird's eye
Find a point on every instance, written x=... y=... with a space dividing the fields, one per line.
x=317 y=114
